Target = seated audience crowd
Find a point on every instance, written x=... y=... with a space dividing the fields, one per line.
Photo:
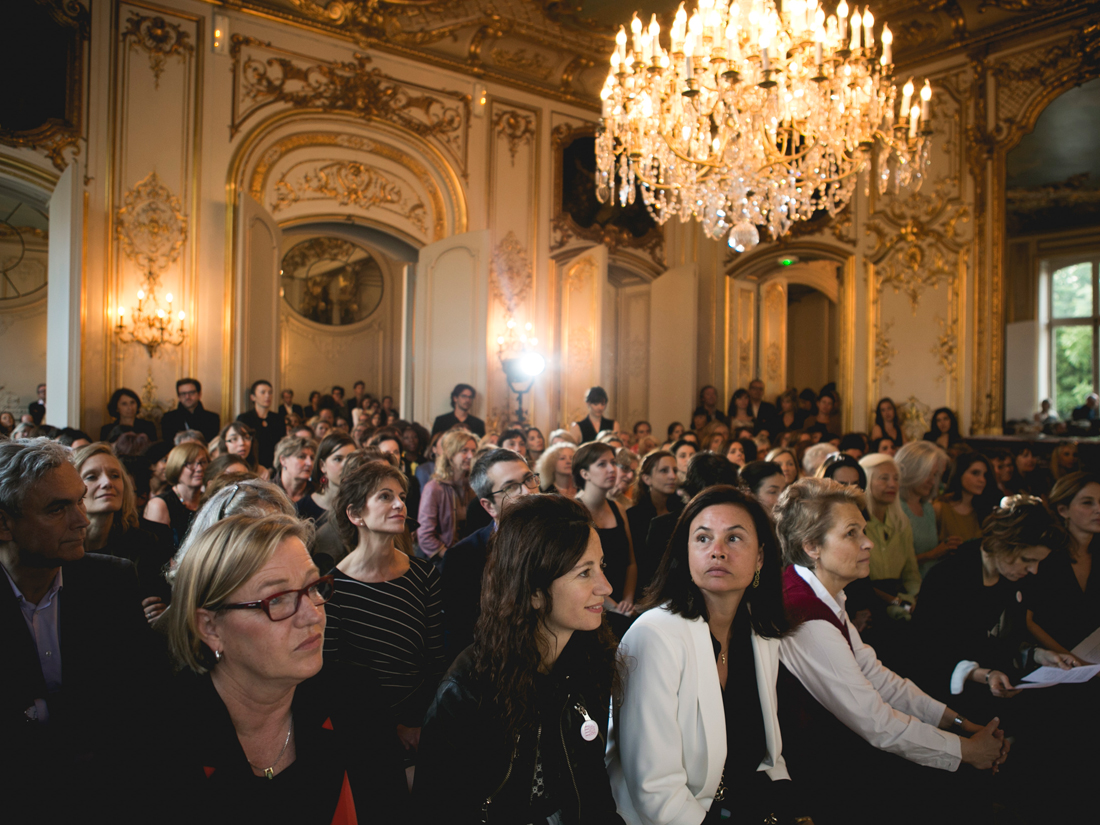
x=332 y=614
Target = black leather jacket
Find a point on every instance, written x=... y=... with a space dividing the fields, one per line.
x=469 y=771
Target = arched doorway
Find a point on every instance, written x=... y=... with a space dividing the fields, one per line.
x=363 y=202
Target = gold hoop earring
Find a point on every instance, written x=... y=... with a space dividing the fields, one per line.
x=756 y=578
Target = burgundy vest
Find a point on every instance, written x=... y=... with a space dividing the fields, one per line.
x=803 y=605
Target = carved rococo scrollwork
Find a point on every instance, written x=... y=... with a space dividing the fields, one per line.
x=151 y=226
x=264 y=76
x=518 y=128
x=917 y=243
x=510 y=276
x=885 y=352
x=349 y=183
x=946 y=351
x=158 y=38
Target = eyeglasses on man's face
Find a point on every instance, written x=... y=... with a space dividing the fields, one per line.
x=282 y=606
x=512 y=488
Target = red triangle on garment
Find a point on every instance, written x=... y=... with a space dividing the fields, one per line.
x=328 y=724
x=207 y=771
x=345 y=807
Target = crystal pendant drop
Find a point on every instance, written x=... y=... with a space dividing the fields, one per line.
x=743 y=236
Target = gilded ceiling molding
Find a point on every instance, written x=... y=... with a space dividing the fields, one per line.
x=519 y=60
x=151 y=226
x=285 y=145
x=515 y=127
x=510 y=275
x=349 y=183
x=159 y=39
x=264 y=76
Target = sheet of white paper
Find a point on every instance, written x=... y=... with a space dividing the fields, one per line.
x=1089 y=650
x=1046 y=676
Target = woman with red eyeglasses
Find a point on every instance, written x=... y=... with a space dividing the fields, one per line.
x=256 y=732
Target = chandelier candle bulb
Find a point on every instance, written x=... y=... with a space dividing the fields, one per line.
x=925 y=101
x=694 y=142
x=907 y=96
x=914 y=119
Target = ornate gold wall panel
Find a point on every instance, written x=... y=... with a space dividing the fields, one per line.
x=513 y=204
x=156 y=104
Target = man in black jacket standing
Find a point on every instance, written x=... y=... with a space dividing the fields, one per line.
x=79 y=659
x=190 y=414
x=462 y=401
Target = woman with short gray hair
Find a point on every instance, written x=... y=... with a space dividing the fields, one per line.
x=844 y=698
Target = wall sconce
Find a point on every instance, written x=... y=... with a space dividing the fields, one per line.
x=481 y=100
x=220 y=43
x=151 y=325
x=519 y=361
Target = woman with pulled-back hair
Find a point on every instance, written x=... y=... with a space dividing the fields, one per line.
x=516 y=732
x=1067 y=587
x=655 y=496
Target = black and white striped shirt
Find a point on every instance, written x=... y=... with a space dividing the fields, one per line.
x=395 y=630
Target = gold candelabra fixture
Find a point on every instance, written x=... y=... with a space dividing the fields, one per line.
x=755 y=115
x=151 y=324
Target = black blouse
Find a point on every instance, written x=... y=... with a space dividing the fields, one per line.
x=616 y=553
x=1061 y=607
x=746 y=741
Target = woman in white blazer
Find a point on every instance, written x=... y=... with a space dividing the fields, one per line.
x=701 y=670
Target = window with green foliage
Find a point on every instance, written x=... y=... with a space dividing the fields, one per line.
x=1074 y=331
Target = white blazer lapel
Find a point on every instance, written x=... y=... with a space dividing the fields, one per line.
x=711 y=709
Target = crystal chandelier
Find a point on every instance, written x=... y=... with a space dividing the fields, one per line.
x=756 y=116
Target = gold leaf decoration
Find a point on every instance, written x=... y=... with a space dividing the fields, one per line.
x=151 y=226
x=510 y=273
x=349 y=183
x=158 y=38
x=517 y=128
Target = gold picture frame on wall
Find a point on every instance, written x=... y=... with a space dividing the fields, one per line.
x=64 y=24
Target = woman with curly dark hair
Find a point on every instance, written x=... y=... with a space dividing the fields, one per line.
x=970 y=496
x=516 y=732
x=887 y=423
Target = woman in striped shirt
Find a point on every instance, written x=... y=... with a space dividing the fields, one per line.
x=385 y=618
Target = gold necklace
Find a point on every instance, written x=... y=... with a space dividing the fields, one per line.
x=270 y=772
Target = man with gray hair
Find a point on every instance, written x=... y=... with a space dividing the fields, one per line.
x=499 y=477
x=73 y=641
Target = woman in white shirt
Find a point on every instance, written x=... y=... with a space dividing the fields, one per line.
x=696 y=736
x=839 y=678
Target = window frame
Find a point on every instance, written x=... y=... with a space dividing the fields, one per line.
x=1050 y=266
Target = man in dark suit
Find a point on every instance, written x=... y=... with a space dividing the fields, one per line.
x=288 y=406
x=763 y=412
x=37 y=408
x=79 y=659
x=190 y=414
x=498 y=478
